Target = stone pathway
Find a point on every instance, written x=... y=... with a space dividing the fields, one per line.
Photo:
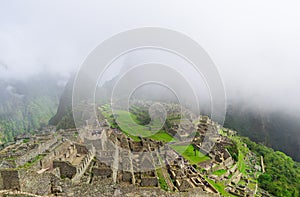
x=10 y=192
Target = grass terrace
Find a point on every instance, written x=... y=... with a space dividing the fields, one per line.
x=129 y=125
x=33 y=161
x=220 y=172
x=161 y=179
x=220 y=187
x=187 y=151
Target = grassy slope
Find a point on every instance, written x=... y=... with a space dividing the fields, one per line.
x=128 y=124
x=188 y=153
x=161 y=179
x=221 y=188
x=219 y=172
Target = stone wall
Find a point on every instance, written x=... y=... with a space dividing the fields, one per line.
x=127 y=177
x=149 y=179
x=26 y=181
x=35 y=152
x=32 y=182
x=172 y=132
x=149 y=182
x=63 y=156
x=65 y=169
x=228 y=162
x=216 y=168
x=81 y=149
x=47 y=162
x=9 y=179
x=59 y=151
x=103 y=172
x=84 y=164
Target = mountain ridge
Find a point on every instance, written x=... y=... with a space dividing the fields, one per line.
x=273 y=129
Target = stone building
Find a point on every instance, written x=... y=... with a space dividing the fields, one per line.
x=72 y=159
x=25 y=170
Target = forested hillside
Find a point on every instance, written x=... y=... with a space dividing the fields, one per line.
x=276 y=129
x=27 y=105
x=282 y=176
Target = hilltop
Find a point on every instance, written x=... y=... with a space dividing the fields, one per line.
x=173 y=161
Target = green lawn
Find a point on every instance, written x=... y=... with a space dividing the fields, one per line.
x=127 y=122
x=243 y=151
x=252 y=185
x=219 y=172
x=187 y=151
x=221 y=188
x=129 y=125
x=241 y=163
x=161 y=179
x=162 y=136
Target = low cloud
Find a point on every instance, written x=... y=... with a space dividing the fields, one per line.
x=254 y=44
x=12 y=91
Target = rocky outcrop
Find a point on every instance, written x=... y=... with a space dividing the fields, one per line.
x=64 y=110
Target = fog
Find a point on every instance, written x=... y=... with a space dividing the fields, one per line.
x=254 y=44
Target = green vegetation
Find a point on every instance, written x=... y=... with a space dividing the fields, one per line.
x=242 y=151
x=125 y=122
x=31 y=162
x=241 y=163
x=266 y=127
x=132 y=125
x=162 y=136
x=140 y=115
x=220 y=187
x=238 y=150
x=242 y=182
x=67 y=121
x=188 y=152
x=10 y=158
x=234 y=151
x=282 y=176
x=161 y=179
x=25 y=118
x=220 y=172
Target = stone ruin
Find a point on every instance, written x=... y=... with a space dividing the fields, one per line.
x=126 y=162
x=32 y=166
x=185 y=176
x=72 y=160
x=42 y=163
x=121 y=159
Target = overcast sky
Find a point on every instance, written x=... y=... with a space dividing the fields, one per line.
x=255 y=44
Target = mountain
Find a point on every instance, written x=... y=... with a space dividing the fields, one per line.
x=27 y=105
x=63 y=117
x=278 y=130
x=274 y=129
